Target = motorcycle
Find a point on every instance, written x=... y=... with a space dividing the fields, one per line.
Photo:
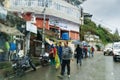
x=21 y=64
x=44 y=59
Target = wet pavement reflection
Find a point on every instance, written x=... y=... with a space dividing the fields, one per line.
x=99 y=67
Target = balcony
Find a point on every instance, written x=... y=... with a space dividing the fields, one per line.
x=75 y=2
x=53 y=8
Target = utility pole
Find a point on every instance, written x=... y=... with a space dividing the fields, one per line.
x=81 y=22
x=43 y=29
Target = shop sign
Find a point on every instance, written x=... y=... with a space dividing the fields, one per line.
x=31 y=27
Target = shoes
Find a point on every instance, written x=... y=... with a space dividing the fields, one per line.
x=80 y=64
x=68 y=76
x=60 y=76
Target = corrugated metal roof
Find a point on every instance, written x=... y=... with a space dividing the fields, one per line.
x=10 y=30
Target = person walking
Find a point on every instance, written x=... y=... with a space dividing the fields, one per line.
x=66 y=57
x=89 y=51
x=78 y=50
x=85 y=51
x=92 y=51
x=52 y=55
x=60 y=52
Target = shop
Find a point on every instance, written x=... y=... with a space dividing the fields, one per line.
x=10 y=35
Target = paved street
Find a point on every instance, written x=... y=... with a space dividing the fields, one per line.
x=98 y=68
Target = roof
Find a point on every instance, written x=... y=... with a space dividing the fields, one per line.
x=10 y=30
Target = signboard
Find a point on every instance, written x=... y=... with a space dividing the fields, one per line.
x=64 y=24
x=31 y=27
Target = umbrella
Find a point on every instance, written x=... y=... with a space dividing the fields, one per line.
x=76 y=42
x=84 y=43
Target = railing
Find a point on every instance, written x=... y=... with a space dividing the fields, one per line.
x=32 y=3
x=50 y=4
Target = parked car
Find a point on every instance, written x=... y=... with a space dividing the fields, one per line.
x=116 y=51
x=108 y=51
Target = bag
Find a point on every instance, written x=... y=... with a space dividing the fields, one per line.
x=66 y=52
x=57 y=61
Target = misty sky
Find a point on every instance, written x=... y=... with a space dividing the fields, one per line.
x=105 y=12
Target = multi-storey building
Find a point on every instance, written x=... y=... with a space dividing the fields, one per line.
x=60 y=15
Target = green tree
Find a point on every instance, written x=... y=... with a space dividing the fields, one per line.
x=103 y=33
x=116 y=36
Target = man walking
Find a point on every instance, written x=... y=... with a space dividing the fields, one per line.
x=78 y=50
x=60 y=52
x=66 y=57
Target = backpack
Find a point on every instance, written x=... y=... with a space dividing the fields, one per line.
x=67 y=52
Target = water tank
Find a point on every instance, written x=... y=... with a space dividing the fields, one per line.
x=65 y=36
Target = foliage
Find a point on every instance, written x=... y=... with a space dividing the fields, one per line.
x=98 y=47
x=104 y=34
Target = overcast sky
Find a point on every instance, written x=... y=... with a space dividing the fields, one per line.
x=105 y=12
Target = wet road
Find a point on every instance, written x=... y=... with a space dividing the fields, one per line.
x=98 y=68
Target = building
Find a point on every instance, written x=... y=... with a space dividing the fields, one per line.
x=57 y=18
x=61 y=16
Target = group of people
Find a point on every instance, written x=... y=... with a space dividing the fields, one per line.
x=65 y=56
x=81 y=52
x=10 y=49
x=88 y=51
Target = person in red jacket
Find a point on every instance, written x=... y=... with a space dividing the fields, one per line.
x=52 y=54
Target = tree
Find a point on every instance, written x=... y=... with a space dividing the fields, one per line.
x=104 y=34
x=116 y=36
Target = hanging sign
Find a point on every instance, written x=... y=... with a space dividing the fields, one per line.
x=31 y=27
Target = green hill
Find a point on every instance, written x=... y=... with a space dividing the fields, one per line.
x=104 y=34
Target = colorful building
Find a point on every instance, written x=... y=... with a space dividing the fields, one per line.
x=60 y=15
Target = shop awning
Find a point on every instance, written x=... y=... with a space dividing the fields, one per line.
x=10 y=30
x=49 y=41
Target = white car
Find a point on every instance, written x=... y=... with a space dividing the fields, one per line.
x=108 y=51
x=116 y=51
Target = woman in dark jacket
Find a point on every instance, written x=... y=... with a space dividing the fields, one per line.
x=78 y=51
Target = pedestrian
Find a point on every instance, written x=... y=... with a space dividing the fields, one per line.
x=66 y=57
x=7 y=49
x=78 y=51
x=52 y=55
x=60 y=52
x=92 y=51
x=89 y=51
x=12 y=55
x=85 y=51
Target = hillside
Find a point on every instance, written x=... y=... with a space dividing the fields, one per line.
x=105 y=35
